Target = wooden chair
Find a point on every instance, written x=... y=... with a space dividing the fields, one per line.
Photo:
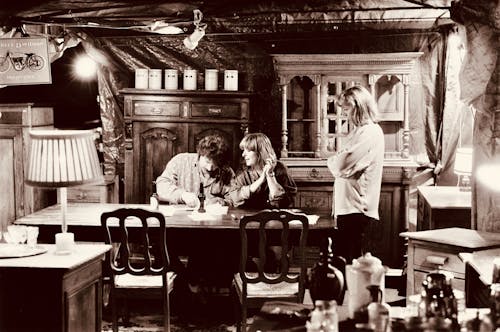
x=139 y=263
x=253 y=289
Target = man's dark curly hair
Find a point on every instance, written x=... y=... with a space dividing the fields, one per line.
x=215 y=148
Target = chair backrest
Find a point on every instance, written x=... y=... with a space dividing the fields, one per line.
x=141 y=239
x=275 y=223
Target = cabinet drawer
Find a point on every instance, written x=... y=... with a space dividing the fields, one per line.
x=218 y=110
x=430 y=259
x=157 y=108
x=315 y=199
x=311 y=174
x=85 y=194
x=25 y=115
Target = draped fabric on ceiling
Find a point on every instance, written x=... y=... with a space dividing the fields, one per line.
x=431 y=141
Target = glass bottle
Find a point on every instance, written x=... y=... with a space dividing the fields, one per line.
x=201 y=198
x=378 y=311
x=324 y=317
x=326 y=279
x=154 y=201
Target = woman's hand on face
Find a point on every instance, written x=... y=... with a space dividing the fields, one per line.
x=269 y=167
x=190 y=199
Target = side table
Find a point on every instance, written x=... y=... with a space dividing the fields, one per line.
x=53 y=293
x=439 y=248
x=479 y=276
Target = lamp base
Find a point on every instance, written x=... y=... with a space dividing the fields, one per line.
x=64 y=243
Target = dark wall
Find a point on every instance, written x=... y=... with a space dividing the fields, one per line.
x=74 y=100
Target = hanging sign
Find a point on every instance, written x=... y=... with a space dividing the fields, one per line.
x=24 y=61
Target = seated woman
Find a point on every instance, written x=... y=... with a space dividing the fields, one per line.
x=263 y=183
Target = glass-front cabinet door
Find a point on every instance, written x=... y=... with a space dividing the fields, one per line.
x=301 y=117
x=335 y=123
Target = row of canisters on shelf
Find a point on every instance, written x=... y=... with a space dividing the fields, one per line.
x=152 y=79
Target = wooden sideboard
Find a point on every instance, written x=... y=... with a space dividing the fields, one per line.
x=314 y=127
x=19 y=199
x=161 y=123
x=442 y=207
x=53 y=293
x=440 y=248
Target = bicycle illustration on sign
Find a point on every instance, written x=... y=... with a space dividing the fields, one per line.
x=20 y=61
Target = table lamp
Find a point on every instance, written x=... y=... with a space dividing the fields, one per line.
x=61 y=159
x=463 y=167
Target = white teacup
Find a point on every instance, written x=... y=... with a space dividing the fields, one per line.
x=16 y=234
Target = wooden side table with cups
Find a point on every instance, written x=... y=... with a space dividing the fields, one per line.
x=440 y=248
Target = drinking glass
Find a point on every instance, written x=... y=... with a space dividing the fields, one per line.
x=32 y=236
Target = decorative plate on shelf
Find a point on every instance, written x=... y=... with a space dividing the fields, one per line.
x=8 y=250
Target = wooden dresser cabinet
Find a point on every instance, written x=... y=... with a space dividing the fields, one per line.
x=18 y=199
x=439 y=248
x=314 y=127
x=162 y=123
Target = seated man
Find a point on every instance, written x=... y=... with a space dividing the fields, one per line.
x=180 y=183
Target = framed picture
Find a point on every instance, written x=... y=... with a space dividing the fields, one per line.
x=24 y=61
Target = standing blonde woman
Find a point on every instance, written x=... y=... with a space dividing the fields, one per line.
x=358 y=171
x=263 y=182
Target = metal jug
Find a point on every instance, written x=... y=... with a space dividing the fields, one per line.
x=364 y=271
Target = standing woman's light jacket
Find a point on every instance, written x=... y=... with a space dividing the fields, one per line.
x=358 y=172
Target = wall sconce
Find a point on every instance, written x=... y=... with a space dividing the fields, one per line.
x=199 y=31
x=463 y=167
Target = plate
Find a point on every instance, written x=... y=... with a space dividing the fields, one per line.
x=19 y=250
x=286 y=310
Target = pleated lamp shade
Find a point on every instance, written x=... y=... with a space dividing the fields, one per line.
x=63 y=158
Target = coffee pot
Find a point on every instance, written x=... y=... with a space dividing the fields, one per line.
x=364 y=271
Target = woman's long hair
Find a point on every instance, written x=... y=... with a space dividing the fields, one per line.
x=364 y=105
x=261 y=145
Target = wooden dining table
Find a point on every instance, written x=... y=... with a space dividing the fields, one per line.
x=83 y=219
